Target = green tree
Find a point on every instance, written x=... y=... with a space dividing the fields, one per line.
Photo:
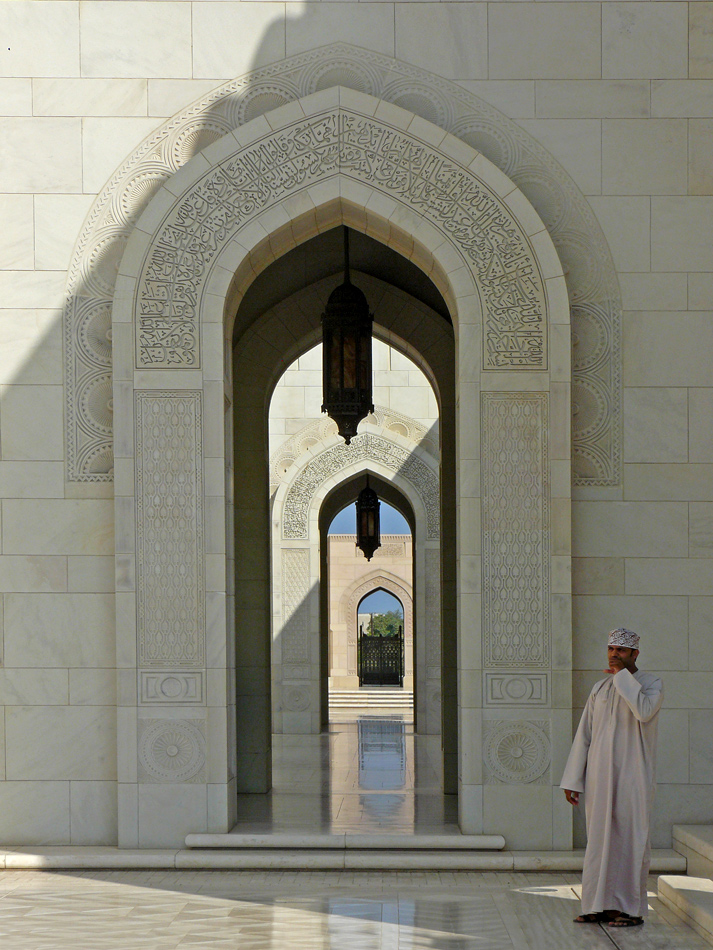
x=387 y=624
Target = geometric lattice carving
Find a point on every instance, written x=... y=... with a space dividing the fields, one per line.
x=516 y=752
x=169 y=519
x=516 y=689
x=515 y=512
x=363 y=447
x=171 y=750
x=591 y=279
x=294 y=642
x=263 y=174
x=171 y=688
x=433 y=612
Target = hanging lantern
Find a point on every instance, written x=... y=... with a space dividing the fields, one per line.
x=346 y=345
x=367 y=519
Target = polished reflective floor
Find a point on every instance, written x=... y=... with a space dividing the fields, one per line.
x=367 y=773
x=274 y=910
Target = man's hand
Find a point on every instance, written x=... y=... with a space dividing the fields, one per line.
x=572 y=797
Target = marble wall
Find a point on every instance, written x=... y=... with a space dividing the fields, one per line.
x=619 y=93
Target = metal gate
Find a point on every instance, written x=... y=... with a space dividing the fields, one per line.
x=381 y=659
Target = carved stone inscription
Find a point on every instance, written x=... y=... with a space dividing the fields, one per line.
x=516 y=548
x=169 y=532
x=357 y=146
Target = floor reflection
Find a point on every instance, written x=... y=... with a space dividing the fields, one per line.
x=369 y=773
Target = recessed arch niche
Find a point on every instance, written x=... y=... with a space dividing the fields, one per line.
x=201 y=242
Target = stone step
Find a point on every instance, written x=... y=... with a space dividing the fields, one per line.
x=96 y=858
x=695 y=843
x=380 y=696
x=354 y=842
x=691 y=899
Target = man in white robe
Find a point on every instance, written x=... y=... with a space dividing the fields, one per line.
x=612 y=762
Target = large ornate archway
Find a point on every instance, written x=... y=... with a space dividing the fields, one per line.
x=220 y=220
x=297 y=625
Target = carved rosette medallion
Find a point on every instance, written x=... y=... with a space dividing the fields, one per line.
x=516 y=533
x=591 y=278
x=171 y=750
x=516 y=752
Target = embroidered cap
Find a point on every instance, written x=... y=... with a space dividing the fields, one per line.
x=621 y=637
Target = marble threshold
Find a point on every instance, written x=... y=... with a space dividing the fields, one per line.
x=691 y=897
x=663 y=861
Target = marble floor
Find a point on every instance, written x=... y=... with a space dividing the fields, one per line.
x=369 y=773
x=303 y=910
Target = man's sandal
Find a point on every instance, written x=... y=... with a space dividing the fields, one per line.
x=590 y=918
x=624 y=920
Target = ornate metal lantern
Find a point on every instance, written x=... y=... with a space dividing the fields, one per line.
x=346 y=344
x=367 y=519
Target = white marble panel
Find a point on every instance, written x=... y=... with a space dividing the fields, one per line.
x=701 y=529
x=260 y=26
x=649 y=339
x=576 y=144
x=701 y=730
x=462 y=31
x=516 y=98
x=58 y=220
x=17 y=234
x=167 y=813
x=93 y=813
x=168 y=96
x=669 y=575
x=644 y=41
x=107 y=142
x=315 y=24
x=700 y=40
x=30 y=346
x=134 y=38
x=598 y=575
x=700 y=624
x=60 y=742
x=544 y=41
x=92 y=687
x=34 y=687
x=58 y=526
x=644 y=157
x=28 y=573
x=700 y=291
x=16 y=96
x=653 y=291
x=34 y=813
x=661 y=623
x=700 y=425
x=629 y=529
x=533 y=806
x=626 y=222
x=39 y=39
x=682 y=233
x=32 y=423
x=84 y=97
x=672 y=753
x=51 y=630
x=91 y=575
x=24 y=289
x=25 y=144
x=682 y=97
x=592 y=99
x=655 y=425
x=700 y=154
x=652 y=482
x=31 y=479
